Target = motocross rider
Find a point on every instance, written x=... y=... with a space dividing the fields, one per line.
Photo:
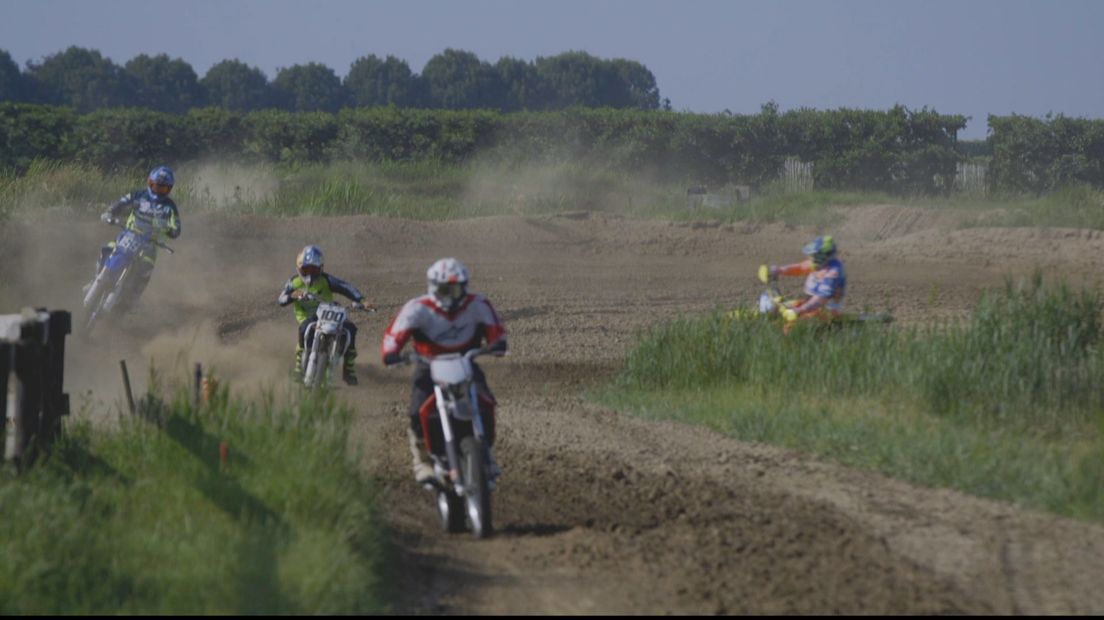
x=447 y=319
x=825 y=282
x=306 y=290
x=146 y=210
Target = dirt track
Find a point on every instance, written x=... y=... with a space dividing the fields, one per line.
x=598 y=511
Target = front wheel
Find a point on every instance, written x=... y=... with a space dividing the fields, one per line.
x=477 y=494
x=315 y=373
x=93 y=303
x=451 y=508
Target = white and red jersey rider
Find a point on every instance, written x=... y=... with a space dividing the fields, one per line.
x=447 y=319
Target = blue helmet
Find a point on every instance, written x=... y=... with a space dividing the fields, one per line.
x=309 y=263
x=821 y=250
x=161 y=180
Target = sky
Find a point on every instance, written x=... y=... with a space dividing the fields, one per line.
x=969 y=57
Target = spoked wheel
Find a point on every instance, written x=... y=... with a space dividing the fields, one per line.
x=477 y=495
x=315 y=374
x=450 y=507
x=95 y=301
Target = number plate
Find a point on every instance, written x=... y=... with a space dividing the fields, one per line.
x=331 y=313
x=129 y=242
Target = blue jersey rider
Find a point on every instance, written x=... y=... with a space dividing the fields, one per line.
x=825 y=282
x=146 y=211
x=306 y=290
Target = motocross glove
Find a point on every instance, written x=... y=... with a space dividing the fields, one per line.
x=497 y=348
x=107 y=218
x=766 y=274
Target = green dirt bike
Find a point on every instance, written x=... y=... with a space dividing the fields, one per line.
x=772 y=303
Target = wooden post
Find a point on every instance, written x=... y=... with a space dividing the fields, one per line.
x=126 y=386
x=198 y=385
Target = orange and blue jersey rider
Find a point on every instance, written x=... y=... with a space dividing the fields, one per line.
x=825 y=281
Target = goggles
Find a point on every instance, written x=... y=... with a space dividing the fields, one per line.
x=161 y=189
x=450 y=290
x=310 y=271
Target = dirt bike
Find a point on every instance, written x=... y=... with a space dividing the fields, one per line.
x=772 y=303
x=463 y=464
x=329 y=342
x=111 y=284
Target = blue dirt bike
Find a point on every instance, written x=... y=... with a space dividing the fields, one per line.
x=112 y=283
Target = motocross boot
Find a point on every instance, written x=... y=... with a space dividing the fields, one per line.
x=348 y=372
x=299 y=361
x=423 y=468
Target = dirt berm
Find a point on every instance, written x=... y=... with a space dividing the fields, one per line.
x=599 y=511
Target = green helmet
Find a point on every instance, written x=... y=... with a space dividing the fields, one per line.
x=821 y=250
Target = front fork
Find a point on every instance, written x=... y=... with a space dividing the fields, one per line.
x=113 y=295
x=312 y=357
x=446 y=428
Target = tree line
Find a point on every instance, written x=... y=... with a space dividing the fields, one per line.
x=898 y=150
x=453 y=79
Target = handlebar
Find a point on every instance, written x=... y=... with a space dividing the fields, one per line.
x=356 y=305
x=411 y=357
x=115 y=223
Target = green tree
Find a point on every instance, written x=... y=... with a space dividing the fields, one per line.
x=234 y=85
x=373 y=82
x=163 y=84
x=637 y=85
x=32 y=131
x=519 y=83
x=458 y=80
x=12 y=87
x=129 y=138
x=312 y=87
x=574 y=79
x=80 y=78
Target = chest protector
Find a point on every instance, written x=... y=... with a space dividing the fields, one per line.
x=320 y=288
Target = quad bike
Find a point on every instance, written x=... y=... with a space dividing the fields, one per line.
x=112 y=283
x=463 y=465
x=329 y=341
x=771 y=303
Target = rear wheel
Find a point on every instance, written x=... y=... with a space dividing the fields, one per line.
x=335 y=359
x=477 y=495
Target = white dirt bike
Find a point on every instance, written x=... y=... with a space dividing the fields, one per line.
x=463 y=464
x=329 y=342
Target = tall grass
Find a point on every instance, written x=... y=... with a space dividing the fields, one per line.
x=1018 y=386
x=147 y=519
x=435 y=190
x=1074 y=205
x=53 y=184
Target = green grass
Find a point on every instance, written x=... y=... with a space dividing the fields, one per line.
x=1007 y=404
x=146 y=519
x=432 y=190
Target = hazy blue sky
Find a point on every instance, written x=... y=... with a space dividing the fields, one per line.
x=972 y=57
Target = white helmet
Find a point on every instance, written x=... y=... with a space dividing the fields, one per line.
x=447 y=281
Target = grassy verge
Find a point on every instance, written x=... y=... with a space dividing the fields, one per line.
x=431 y=190
x=1008 y=404
x=147 y=519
